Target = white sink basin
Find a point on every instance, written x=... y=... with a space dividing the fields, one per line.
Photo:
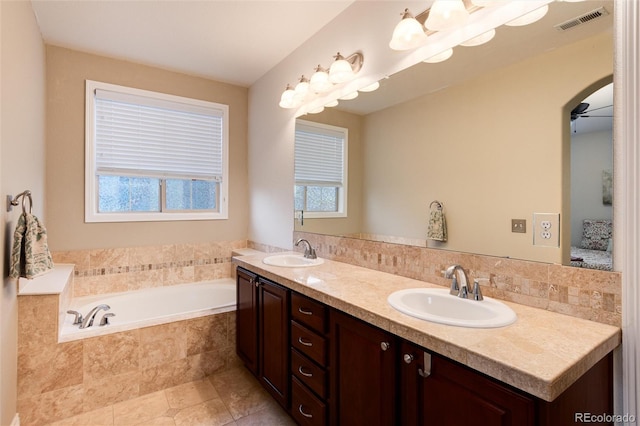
x=291 y=261
x=437 y=305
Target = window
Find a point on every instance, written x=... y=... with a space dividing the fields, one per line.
x=320 y=170
x=152 y=157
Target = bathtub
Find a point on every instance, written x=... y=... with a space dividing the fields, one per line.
x=149 y=307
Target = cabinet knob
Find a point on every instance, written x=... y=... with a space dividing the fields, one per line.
x=385 y=345
x=408 y=358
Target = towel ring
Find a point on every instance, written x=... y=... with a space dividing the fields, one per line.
x=437 y=203
x=13 y=201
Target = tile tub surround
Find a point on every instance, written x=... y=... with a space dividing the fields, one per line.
x=100 y=271
x=60 y=380
x=542 y=353
x=583 y=293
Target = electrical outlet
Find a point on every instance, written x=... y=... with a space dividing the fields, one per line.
x=546 y=229
x=519 y=225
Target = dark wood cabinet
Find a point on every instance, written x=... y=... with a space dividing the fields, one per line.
x=273 y=339
x=247 y=319
x=363 y=373
x=309 y=361
x=262 y=332
x=327 y=367
x=435 y=390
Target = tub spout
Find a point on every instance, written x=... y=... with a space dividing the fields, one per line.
x=88 y=320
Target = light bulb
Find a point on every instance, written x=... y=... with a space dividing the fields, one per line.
x=319 y=82
x=446 y=15
x=340 y=71
x=331 y=104
x=408 y=34
x=287 y=100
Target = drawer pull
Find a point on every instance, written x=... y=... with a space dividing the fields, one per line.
x=304 y=311
x=304 y=342
x=301 y=371
x=303 y=413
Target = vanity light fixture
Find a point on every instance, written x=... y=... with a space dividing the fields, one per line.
x=332 y=104
x=408 y=34
x=446 y=15
x=288 y=98
x=530 y=17
x=345 y=69
x=319 y=82
x=320 y=88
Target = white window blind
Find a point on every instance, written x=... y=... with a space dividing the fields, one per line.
x=319 y=155
x=143 y=136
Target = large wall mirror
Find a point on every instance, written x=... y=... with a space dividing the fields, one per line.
x=487 y=133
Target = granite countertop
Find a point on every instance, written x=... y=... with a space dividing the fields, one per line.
x=542 y=353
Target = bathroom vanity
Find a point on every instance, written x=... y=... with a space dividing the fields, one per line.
x=326 y=344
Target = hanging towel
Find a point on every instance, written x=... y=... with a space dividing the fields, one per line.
x=437 y=224
x=30 y=254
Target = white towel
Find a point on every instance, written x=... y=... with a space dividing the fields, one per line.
x=30 y=254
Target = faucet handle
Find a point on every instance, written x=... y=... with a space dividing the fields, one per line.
x=477 y=293
x=105 y=318
x=78 y=316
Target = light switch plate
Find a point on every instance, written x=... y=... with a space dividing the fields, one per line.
x=546 y=229
x=519 y=225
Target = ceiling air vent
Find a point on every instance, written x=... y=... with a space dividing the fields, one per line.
x=582 y=19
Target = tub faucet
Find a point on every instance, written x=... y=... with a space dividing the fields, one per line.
x=309 y=252
x=88 y=320
x=459 y=286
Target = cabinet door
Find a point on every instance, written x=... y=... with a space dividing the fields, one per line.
x=247 y=319
x=274 y=340
x=453 y=395
x=363 y=365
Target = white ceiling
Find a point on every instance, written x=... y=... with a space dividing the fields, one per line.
x=234 y=41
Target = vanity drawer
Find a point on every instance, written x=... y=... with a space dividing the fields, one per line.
x=306 y=409
x=309 y=343
x=309 y=373
x=309 y=312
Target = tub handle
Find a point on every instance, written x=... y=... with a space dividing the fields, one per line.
x=78 y=316
x=105 y=319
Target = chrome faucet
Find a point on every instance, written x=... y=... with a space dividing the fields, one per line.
x=88 y=320
x=459 y=280
x=309 y=252
x=461 y=289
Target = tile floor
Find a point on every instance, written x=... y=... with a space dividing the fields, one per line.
x=232 y=397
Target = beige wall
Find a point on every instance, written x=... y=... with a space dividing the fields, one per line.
x=490 y=149
x=22 y=147
x=353 y=222
x=67 y=71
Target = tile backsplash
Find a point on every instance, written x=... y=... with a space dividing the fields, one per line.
x=99 y=271
x=584 y=293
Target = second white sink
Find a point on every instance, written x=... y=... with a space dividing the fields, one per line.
x=437 y=305
x=291 y=261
